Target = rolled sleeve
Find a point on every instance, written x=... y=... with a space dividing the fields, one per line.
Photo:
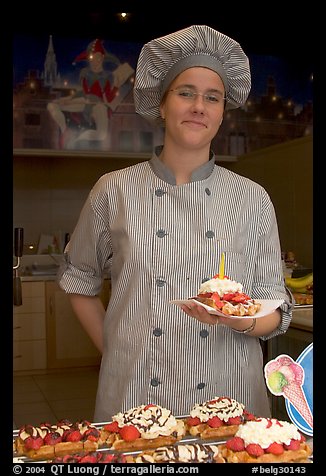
x=269 y=280
x=286 y=316
x=87 y=256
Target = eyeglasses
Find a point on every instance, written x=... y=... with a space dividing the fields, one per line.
x=189 y=95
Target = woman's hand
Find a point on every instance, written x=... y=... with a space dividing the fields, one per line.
x=264 y=326
x=202 y=315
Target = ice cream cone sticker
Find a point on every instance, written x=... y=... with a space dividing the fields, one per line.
x=285 y=377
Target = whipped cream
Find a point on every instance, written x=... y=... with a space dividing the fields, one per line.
x=222 y=407
x=44 y=429
x=196 y=453
x=151 y=421
x=268 y=430
x=220 y=286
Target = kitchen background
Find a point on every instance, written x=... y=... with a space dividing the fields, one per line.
x=50 y=186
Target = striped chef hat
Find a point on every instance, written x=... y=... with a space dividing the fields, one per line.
x=162 y=59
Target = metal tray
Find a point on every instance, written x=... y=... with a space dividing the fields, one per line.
x=186 y=440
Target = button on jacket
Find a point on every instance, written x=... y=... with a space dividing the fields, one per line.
x=159 y=241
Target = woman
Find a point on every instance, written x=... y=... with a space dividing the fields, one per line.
x=159 y=228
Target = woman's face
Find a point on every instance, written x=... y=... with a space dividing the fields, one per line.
x=193 y=107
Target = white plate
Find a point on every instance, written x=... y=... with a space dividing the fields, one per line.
x=267 y=306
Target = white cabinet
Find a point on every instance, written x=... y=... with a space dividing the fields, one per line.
x=68 y=345
x=46 y=332
x=29 y=328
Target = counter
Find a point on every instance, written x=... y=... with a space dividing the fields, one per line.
x=302 y=318
x=49 y=277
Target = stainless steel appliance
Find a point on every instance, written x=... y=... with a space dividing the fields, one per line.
x=18 y=247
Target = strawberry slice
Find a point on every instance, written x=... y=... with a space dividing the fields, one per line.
x=235 y=444
x=112 y=427
x=216 y=298
x=234 y=420
x=254 y=450
x=33 y=442
x=275 y=448
x=69 y=459
x=73 y=435
x=92 y=434
x=91 y=458
x=236 y=297
x=294 y=445
x=242 y=297
x=193 y=421
x=129 y=433
x=205 y=295
x=52 y=438
x=215 y=422
x=228 y=296
x=150 y=405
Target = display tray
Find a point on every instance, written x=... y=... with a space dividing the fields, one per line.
x=186 y=440
x=303 y=306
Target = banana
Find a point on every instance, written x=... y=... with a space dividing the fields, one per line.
x=300 y=290
x=299 y=283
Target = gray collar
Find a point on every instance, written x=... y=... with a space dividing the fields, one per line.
x=164 y=173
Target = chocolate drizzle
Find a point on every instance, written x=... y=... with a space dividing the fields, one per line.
x=223 y=407
x=144 y=417
x=194 y=453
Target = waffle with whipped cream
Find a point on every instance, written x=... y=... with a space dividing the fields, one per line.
x=227 y=296
x=142 y=427
x=182 y=453
x=48 y=441
x=266 y=440
x=217 y=418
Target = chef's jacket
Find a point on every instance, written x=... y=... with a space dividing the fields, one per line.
x=158 y=241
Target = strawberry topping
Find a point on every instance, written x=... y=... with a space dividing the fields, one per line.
x=294 y=445
x=33 y=442
x=72 y=435
x=92 y=434
x=146 y=407
x=91 y=458
x=275 y=448
x=129 y=433
x=193 y=421
x=234 y=420
x=52 y=438
x=235 y=444
x=112 y=427
x=215 y=422
x=254 y=450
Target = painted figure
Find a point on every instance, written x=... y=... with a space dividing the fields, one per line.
x=89 y=107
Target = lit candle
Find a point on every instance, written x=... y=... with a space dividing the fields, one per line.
x=221 y=269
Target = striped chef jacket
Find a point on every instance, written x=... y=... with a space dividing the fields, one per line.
x=159 y=241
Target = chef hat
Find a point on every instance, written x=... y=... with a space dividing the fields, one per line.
x=162 y=59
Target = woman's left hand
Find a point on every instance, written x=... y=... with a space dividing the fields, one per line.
x=202 y=315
